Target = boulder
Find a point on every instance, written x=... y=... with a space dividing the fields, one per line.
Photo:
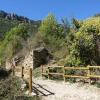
x=41 y=56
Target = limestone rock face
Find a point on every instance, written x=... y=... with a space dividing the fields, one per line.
x=40 y=56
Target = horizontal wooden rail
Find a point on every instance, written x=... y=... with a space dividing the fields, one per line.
x=56 y=73
x=94 y=67
x=94 y=76
x=73 y=76
x=76 y=68
x=55 y=66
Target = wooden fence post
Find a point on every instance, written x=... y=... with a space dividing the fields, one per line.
x=30 y=80
x=22 y=70
x=89 y=75
x=42 y=69
x=64 y=74
x=48 y=73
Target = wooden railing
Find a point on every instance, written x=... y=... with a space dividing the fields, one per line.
x=63 y=68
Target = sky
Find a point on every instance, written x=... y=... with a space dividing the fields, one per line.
x=39 y=9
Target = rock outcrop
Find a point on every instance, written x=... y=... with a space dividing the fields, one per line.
x=40 y=56
x=13 y=16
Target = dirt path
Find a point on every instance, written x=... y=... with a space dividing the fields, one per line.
x=68 y=91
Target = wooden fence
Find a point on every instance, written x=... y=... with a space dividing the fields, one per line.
x=63 y=68
x=88 y=69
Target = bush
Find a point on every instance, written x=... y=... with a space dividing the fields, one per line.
x=9 y=87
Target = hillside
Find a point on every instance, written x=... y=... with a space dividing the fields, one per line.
x=11 y=25
x=9 y=20
x=59 y=43
x=79 y=41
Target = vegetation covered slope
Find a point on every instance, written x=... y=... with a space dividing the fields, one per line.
x=14 y=32
x=8 y=21
x=73 y=44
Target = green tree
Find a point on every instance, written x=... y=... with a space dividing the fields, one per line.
x=49 y=25
x=51 y=30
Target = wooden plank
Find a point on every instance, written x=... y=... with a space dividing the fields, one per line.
x=64 y=74
x=55 y=66
x=77 y=68
x=48 y=73
x=30 y=80
x=56 y=73
x=73 y=76
x=94 y=76
x=94 y=66
x=22 y=72
x=42 y=69
x=88 y=74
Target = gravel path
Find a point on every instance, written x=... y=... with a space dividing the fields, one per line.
x=68 y=91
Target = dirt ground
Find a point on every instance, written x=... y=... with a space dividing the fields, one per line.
x=68 y=91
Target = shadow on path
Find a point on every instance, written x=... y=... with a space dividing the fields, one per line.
x=39 y=89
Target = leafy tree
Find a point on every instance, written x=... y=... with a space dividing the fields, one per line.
x=52 y=31
x=49 y=25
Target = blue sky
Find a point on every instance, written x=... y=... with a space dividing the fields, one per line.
x=38 y=9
